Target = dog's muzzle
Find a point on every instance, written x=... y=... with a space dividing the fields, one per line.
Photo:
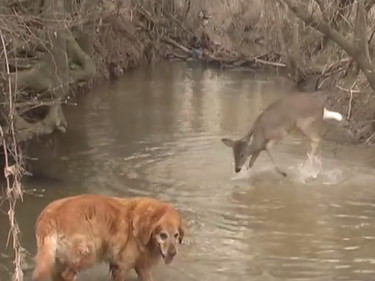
x=168 y=257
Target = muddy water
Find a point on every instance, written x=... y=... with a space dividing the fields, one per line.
x=157 y=133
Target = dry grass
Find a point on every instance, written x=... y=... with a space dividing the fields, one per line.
x=12 y=172
x=252 y=28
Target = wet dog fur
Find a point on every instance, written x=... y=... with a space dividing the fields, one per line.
x=74 y=233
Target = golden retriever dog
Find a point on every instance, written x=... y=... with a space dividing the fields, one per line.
x=74 y=233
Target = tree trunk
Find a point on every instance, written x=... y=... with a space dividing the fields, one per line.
x=357 y=48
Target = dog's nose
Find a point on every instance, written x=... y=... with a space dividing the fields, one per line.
x=172 y=252
x=237 y=170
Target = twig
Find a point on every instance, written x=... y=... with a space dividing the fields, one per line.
x=350 y=100
x=348 y=90
x=369 y=139
x=278 y=64
x=179 y=23
x=13 y=188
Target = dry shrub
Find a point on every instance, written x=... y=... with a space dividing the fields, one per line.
x=128 y=38
x=13 y=170
x=252 y=27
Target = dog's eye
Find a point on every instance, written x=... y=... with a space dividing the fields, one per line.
x=163 y=236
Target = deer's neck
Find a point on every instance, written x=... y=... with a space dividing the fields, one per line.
x=248 y=136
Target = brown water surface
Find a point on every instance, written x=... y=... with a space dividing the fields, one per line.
x=157 y=133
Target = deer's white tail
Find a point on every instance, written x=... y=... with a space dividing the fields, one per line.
x=327 y=114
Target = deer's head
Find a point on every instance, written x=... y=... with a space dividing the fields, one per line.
x=241 y=151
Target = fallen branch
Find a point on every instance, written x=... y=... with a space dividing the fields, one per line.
x=228 y=62
x=348 y=90
x=276 y=64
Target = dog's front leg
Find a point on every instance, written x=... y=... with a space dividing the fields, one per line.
x=119 y=271
x=143 y=271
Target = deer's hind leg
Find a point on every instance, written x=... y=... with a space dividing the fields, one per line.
x=311 y=129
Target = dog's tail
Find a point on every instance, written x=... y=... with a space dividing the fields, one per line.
x=45 y=258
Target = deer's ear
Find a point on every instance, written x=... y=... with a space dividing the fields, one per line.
x=228 y=142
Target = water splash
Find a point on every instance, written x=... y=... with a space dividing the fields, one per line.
x=313 y=171
x=245 y=173
x=310 y=169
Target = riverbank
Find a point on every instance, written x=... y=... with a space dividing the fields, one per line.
x=193 y=32
x=119 y=36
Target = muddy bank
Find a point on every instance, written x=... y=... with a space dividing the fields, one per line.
x=359 y=109
x=216 y=38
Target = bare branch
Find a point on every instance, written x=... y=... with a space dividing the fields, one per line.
x=321 y=26
x=368 y=5
x=360 y=29
x=322 y=9
x=357 y=49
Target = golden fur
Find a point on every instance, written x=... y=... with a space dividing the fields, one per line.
x=74 y=233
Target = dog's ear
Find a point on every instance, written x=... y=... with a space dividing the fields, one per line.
x=145 y=221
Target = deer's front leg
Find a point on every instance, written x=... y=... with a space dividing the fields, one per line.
x=253 y=158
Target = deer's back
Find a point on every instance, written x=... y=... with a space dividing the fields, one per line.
x=282 y=115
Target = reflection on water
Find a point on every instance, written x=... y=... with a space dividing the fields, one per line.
x=157 y=133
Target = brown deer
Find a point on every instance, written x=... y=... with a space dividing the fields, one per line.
x=300 y=112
